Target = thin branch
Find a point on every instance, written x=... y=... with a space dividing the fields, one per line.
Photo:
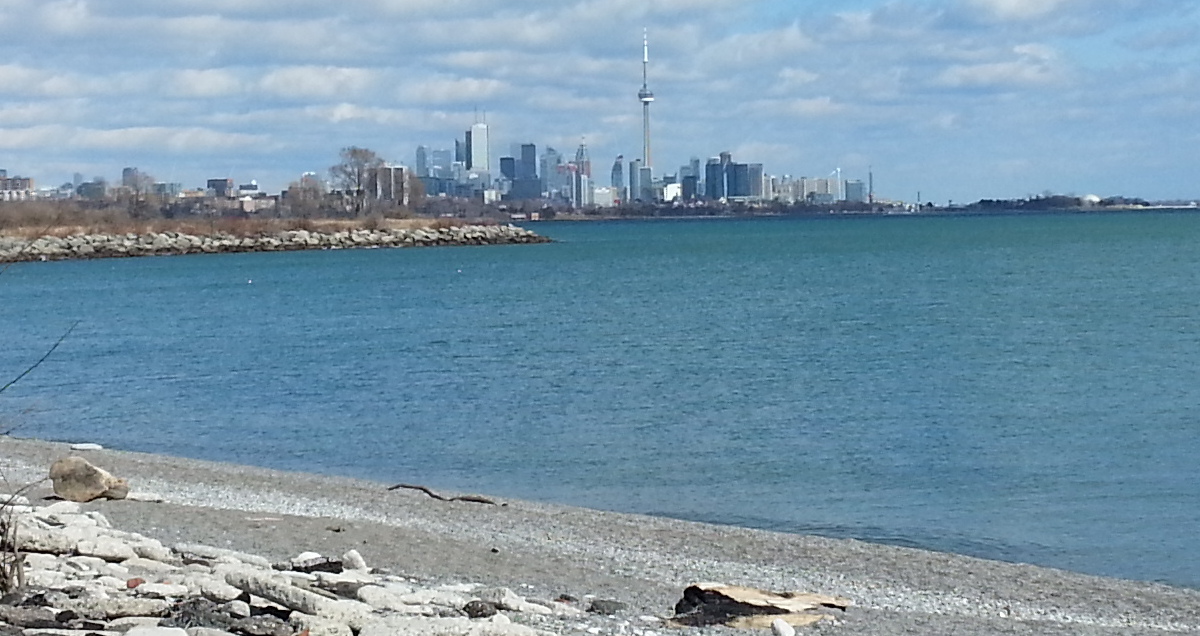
x=467 y=498
x=41 y=360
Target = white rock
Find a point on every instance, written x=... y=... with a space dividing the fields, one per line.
x=501 y=597
x=106 y=548
x=152 y=549
x=212 y=588
x=207 y=631
x=318 y=625
x=60 y=508
x=140 y=564
x=459 y=588
x=306 y=556
x=237 y=609
x=144 y=630
x=14 y=500
x=40 y=561
x=209 y=552
x=129 y=622
x=384 y=599
x=436 y=597
x=45 y=578
x=120 y=607
x=277 y=590
x=424 y=626
x=85 y=563
x=352 y=560
x=499 y=619
x=113 y=582
x=161 y=590
x=146 y=497
x=86 y=446
x=37 y=631
x=780 y=627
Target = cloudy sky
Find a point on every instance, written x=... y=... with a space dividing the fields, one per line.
x=956 y=99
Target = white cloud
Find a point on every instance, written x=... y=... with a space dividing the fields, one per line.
x=1035 y=65
x=1018 y=9
x=443 y=90
x=301 y=82
x=205 y=83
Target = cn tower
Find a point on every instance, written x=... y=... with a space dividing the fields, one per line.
x=646 y=96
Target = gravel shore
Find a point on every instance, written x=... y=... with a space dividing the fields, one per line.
x=545 y=550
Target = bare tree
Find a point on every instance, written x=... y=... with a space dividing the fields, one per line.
x=351 y=173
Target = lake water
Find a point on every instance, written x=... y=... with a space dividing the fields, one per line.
x=1013 y=387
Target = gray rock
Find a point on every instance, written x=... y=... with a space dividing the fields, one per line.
x=146 y=630
x=161 y=590
x=424 y=626
x=382 y=598
x=261 y=625
x=237 y=608
x=604 y=606
x=76 y=479
x=207 y=631
x=209 y=552
x=318 y=626
x=118 y=607
x=501 y=597
x=479 y=609
x=106 y=548
x=126 y=624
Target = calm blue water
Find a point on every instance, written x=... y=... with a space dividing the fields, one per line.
x=1015 y=387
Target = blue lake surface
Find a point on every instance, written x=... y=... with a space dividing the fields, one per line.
x=1013 y=387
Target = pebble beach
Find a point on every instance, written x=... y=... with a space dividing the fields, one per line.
x=544 y=551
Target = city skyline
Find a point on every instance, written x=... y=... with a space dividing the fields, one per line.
x=958 y=99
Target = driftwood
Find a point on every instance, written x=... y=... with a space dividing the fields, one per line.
x=705 y=604
x=467 y=498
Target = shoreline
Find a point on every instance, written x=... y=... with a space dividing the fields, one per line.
x=643 y=561
x=103 y=245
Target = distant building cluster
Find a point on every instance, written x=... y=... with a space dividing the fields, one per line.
x=15 y=188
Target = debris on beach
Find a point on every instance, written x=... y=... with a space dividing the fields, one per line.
x=76 y=479
x=706 y=604
x=82 y=574
x=431 y=493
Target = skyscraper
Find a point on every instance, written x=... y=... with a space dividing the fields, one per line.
x=478 y=148
x=422 y=161
x=618 y=178
x=527 y=164
x=583 y=162
x=635 y=179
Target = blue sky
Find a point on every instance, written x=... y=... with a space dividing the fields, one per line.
x=955 y=99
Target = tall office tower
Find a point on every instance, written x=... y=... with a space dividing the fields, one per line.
x=582 y=161
x=756 y=180
x=714 y=180
x=646 y=181
x=422 y=161
x=508 y=167
x=737 y=180
x=695 y=166
x=527 y=165
x=635 y=180
x=618 y=177
x=440 y=161
x=129 y=177
x=552 y=170
x=646 y=97
x=460 y=151
x=479 y=149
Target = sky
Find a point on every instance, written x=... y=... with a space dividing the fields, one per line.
x=949 y=100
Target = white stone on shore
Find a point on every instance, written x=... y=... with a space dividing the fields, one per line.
x=780 y=627
x=209 y=552
x=86 y=446
x=128 y=623
x=352 y=560
x=384 y=599
x=161 y=590
x=237 y=608
x=423 y=626
x=146 y=630
x=318 y=625
x=140 y=564
x=106 y=548
x=435 y=597
x=145 y=497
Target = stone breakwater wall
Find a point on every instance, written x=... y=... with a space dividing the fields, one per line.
x=79 y=575
x=83 y=246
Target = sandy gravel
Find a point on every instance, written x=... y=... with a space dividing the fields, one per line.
x=545 y=550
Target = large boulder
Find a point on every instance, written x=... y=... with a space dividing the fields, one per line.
x=76 y=479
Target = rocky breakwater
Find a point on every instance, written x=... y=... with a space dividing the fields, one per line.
x=81 y=246
x=79 y=575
